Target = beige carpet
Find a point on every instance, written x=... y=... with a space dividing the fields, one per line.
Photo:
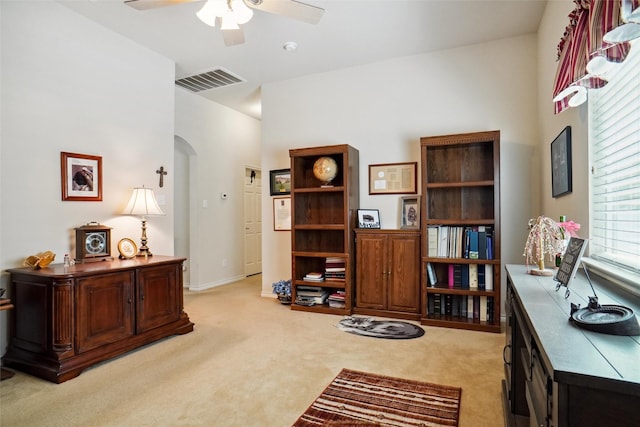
x=253 y=362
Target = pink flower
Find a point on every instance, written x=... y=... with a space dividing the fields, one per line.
x=570 y=227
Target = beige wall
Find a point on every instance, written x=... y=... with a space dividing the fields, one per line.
x=576 y=204
x=69 y=84
x=384 y=108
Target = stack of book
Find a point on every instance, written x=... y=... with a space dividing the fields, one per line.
x=460 y=242
x=311 y=295
x=335 y=269
x=313 y=277
x=336 y=299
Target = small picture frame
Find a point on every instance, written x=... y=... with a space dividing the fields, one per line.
x=410 y=212
x=280 y=182
x=393 y=178
x=561 y=179
x=127 y=248
x=81 y=177
x=282 y=213
x=368 y=218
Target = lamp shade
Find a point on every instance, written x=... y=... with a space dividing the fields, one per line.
x=142 y=203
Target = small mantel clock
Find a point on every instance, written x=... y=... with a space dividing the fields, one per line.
x=93 y=243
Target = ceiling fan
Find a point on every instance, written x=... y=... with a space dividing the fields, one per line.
x=233 y=13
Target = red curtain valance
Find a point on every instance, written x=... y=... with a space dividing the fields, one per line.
x=589 y=21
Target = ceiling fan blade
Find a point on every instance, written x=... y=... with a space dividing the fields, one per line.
x=233 y=37
x=290 y=8
x=151 y=4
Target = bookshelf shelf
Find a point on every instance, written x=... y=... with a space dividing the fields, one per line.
x=322 y=228
x=461 y=231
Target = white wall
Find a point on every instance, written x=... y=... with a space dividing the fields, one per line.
x=71 y=85
x=576 y=204
x=224 y=142
x=384 y=108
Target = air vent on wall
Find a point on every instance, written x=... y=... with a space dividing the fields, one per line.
x=209 y=80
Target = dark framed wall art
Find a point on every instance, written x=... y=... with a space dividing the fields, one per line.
x=561 y=174
x=280 y=182
x=81 y=177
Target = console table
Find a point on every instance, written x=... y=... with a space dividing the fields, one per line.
x=557 y=374
x=66 y=319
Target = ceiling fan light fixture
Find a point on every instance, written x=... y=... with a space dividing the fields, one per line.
x=229 y=22
x=211 y=10
x=242 y=13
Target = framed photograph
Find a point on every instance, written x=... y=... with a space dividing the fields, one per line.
x=282 y=213
x=280 y=182
x=127 y=248
x=393 y=178
x=410 y=212
x=81 y=177
x=368 y=218
x=561 y=180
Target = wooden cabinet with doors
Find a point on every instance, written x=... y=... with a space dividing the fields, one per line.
x=322 y=222
x=69 y=318
x=388 y=273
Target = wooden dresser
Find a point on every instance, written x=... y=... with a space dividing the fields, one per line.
x=557 y=374
x=66 y=319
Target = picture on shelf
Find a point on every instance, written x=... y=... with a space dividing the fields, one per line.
x=410 y=212
x=368 y=218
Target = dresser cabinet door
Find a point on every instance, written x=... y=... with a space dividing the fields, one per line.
x=403 y=273
x=371 y=273
x=158 y=296
x=105 y=309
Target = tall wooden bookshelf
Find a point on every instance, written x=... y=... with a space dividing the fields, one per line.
x=461 y=203
x=322 y=221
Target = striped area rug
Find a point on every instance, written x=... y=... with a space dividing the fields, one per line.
x=361 y=399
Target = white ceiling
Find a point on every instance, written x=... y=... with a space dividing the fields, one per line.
x=351 y=32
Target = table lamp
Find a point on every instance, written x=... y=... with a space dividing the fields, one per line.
x=143 y=203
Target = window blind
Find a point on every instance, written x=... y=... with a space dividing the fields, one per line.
x=614 y=130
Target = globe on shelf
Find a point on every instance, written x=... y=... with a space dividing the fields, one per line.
x=325 y=169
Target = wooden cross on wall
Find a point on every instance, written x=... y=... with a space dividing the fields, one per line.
x=162 y=173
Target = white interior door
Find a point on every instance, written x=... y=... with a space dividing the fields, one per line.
x=252 y=221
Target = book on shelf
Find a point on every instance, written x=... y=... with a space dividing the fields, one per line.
x=335 y=269
x=473 y=276
x=437 y=304
x=448 y=304
x=314 y=277
x=457 y=275
x=465 y=276
x=450 y=278
x=483 y=308
x=431 y=272
x=311 y=295
x=432 y=240
x=469 y=306
x=471 y=242
x=463 y=305
x=482 y=242
x=481 y=277
x=337 y=299
x=488 y=277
